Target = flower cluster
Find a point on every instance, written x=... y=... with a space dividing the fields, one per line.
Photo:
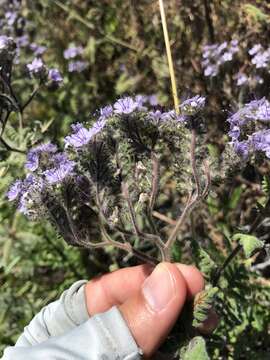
x=45 y=166
x=256 y=65
x=249 y=131
x=260 y=62
x=216 y=55
x=136 y=122
x=14 y=39
x=260 y=57
x=74 y=56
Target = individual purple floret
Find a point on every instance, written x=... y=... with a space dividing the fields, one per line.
x=81 y=136
x=60 y=172
x=22 y=41
x=38 y=49
x=234 y=132
x=193 y=105
x=261 y=110
x=242 y=148
x=15 y=190
x=261 y=141
x=33 y=156
x=77 y=66
x=153 y=100
x=211 y=70
x=11 y=17
x=36 y=66
x=155 y=116
x=72 y=52
x=55 y=76
x=125 y=106
x=106 y=112
x=6 y=43
x=261 y=59
x=98 y=126
x=255 y=49
x=141 y=100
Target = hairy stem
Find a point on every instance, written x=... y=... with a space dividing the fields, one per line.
x=155 y=181
x=168 y=245
x=169 y=56
x=31 y=97
x=130 y=208
x=193 y=162
x=154 y=191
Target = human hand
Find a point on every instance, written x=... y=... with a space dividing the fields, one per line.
x=149 y=300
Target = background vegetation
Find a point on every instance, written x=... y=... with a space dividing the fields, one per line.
x=124 y=50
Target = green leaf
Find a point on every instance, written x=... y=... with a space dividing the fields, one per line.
x=266 y=184
x=250 y=243
x=203 y=302
x=196 y=350
x=235 y=197
x=206 y=264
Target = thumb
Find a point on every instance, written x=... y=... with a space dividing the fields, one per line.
x=152 y=312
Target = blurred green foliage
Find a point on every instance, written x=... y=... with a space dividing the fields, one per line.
x=124 y=46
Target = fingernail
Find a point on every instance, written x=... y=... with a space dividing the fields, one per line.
x=159 y=288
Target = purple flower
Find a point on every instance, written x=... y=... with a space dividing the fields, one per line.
x=234 y=132
x=6 y=43
x=256 y=110
x=241 y=148
x=125 y=106
x=60 y=172
x=227 y=56
x=211 y=70
x=11 y=17
x=98 y=126
x=141 y=100
x=156 y=116
x=80 y=137
x=153 y=100
x=261 y=59
x=261 y=141
x=38 y=49
x=106 y=112
x=22 y=41
x=36 y=66
x=72 y=52
x=15 y=190
x=77 y=66
x=193 y=105
x=255 y=49
x=215 y=55
x=34 y=155
x=55 y=76
x=172 y=116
